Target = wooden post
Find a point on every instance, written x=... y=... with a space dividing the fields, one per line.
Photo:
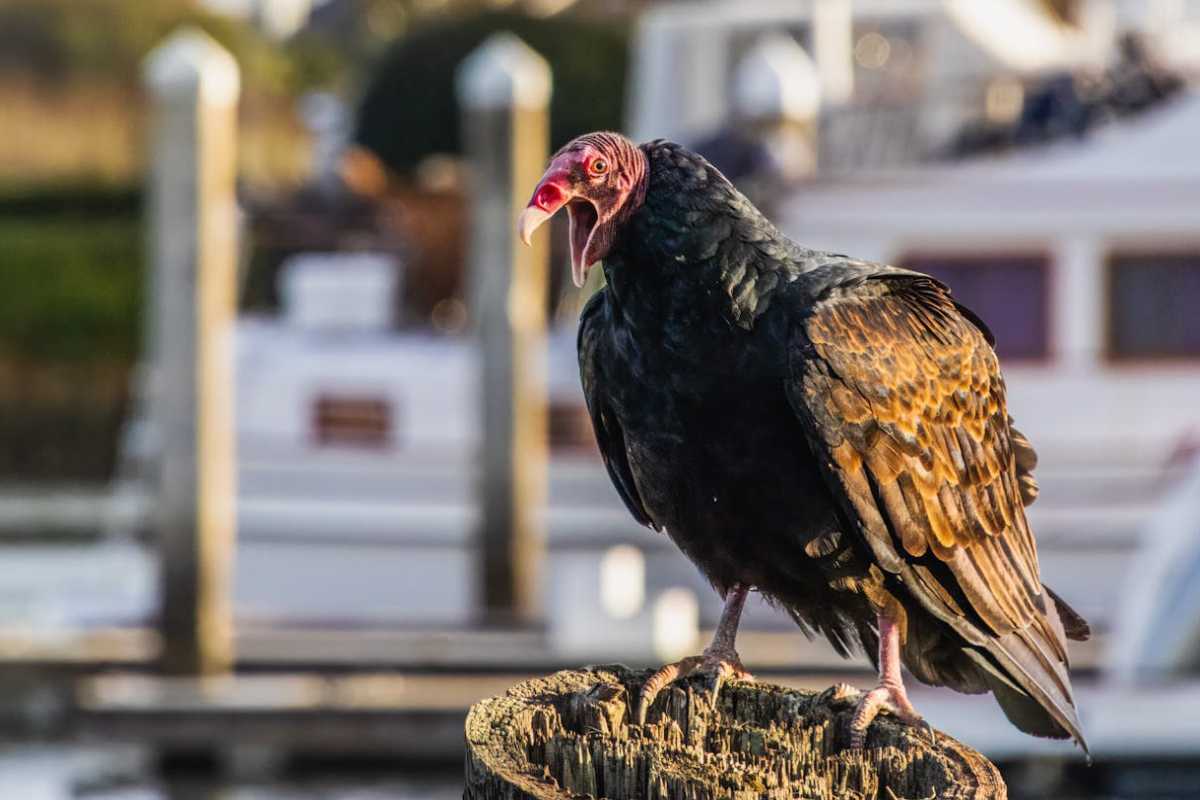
x=777 y=96
x=504 y=92
x=569 y=735
x=194 y=86
x=833 y=48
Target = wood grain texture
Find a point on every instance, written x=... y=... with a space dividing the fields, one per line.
x=569 y=735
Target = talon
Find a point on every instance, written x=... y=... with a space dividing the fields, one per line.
x=888 y=698
x=889 y=694
x=724 y=670
x=659 y=680
x=720 y=659
x=720 y=665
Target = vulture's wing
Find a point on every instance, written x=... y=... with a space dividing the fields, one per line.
x=903 y=396
x=609 y=436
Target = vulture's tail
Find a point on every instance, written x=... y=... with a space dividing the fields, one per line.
x=1028 y=676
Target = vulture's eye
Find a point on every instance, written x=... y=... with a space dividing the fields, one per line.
x=599 y=166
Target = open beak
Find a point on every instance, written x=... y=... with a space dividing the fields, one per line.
x=550 y=195
x=554 y=192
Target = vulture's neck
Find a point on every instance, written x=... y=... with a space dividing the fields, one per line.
x=667 y=306
x=687 y=261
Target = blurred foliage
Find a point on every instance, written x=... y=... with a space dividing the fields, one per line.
x=360 y=30
x=410 y=108
x=355 y=31
x=72 y=286
x=70 y=88
x=70 y=327
x=60 y=422
x=106 y=40
x=314 y=62
x=70 y=199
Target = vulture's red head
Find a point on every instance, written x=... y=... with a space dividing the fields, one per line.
x=601 y=179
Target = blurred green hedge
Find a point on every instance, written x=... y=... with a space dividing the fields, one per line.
x=72 y=287
x=410 y=109
x=106 y=40
x=70 y=328
x=70 y=200
x=61 y=421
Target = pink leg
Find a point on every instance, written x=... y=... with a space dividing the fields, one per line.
x=719 y=659
x=731 y=615
x=889 y=695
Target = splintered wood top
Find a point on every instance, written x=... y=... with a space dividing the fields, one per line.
x=569 y=735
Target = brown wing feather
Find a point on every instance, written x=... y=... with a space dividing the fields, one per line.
x=908 y=397
x=903 y=395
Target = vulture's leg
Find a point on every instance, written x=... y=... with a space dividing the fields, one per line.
x=719 y=660
x=889 y=694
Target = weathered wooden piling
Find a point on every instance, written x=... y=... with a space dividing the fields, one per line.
x=194 y=85
x=570 y=735
x=504 y=92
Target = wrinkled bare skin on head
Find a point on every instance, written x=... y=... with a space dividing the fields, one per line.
x=600 y=179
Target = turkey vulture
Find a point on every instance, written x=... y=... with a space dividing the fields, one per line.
x=827 y=431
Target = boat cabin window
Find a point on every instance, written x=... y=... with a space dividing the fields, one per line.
x=1153 y=302
x=1008 y=291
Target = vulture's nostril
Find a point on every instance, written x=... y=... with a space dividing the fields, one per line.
x=549 y=197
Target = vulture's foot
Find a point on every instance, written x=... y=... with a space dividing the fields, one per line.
x=718 y=665
x=889 y=695
x=885 y=697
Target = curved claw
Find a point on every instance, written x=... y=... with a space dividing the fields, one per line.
x=660 y=680
x=722 y=674
x=888 y=698
x=722 y=666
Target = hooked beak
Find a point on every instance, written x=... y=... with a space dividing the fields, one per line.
x=530 y=220
x=554 y=192
x=550 y=195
